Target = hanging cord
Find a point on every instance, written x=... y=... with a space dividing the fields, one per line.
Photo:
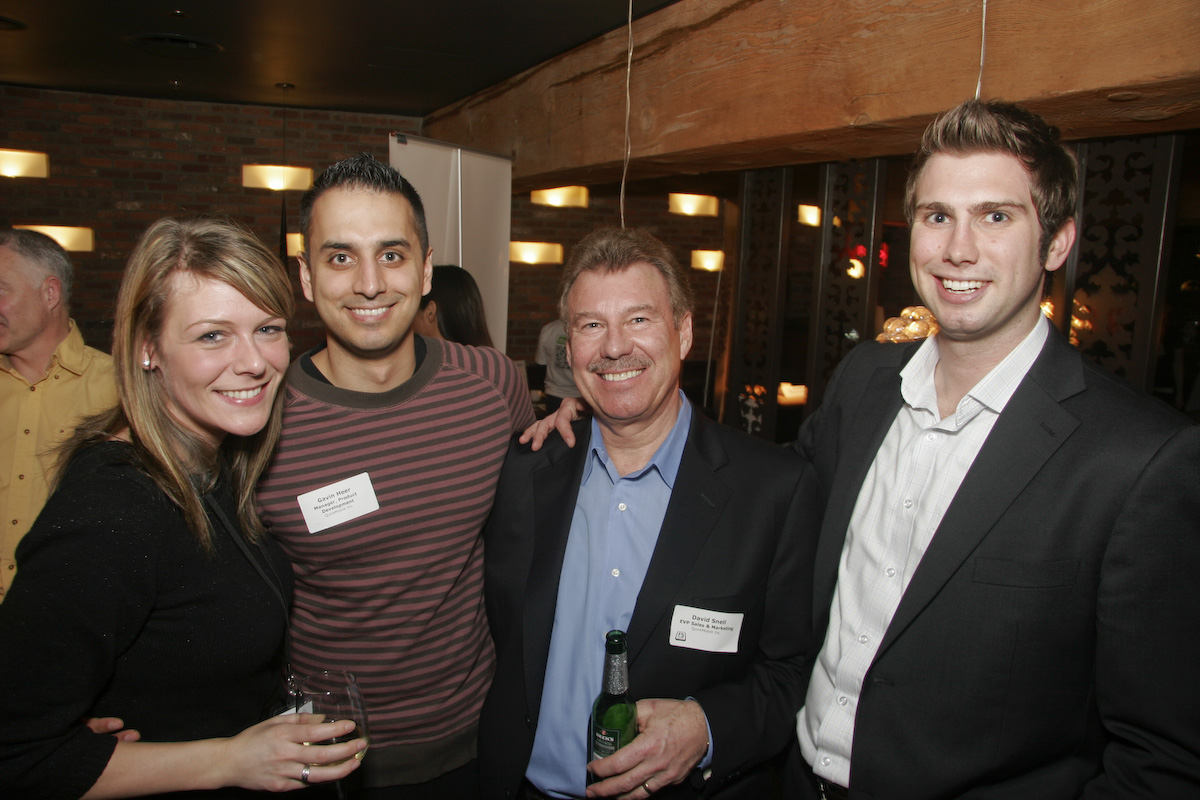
x=628 y=146
x=982 y=52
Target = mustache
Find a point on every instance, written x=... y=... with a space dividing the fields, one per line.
x=622 y=364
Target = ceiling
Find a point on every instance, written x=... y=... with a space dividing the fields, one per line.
x=378 y=56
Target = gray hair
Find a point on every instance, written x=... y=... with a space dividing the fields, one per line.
x=47 y=254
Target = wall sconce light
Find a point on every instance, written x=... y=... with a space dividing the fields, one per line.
x=24 y=164
x=75 y=240
x=692 y=205
x=856 y=269
x=810 y=216
x=295 y=244
x=276 y=178
x=535 y=252
x=792 y=394
x=708 y=260
x=562 y=197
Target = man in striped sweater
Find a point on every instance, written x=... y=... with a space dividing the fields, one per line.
x=391 y=448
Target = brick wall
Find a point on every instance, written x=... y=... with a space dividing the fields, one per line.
x=119 y=163
x=533 y=290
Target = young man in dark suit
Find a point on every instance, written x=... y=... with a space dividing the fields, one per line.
x=682 y=532
x=1005 y=582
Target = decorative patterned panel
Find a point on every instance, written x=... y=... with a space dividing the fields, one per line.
x=848 y=276
x=1125 y=185
x=765 y=203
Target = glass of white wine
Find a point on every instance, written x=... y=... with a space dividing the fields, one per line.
x=335 y=695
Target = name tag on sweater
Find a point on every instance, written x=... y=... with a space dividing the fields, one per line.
x=701 y=629
x=349 y=498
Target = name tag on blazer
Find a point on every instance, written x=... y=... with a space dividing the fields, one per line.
x=702 y=629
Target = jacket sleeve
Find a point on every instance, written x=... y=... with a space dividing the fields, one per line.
x=1147 y=648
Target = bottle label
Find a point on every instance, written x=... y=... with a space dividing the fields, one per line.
x=605 y=742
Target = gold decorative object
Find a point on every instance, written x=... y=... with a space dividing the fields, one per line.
x=914 y=324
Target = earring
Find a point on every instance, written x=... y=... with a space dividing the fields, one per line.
x=146 y=364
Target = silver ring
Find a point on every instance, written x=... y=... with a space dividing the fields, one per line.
x=304 y=775
x=646 y=786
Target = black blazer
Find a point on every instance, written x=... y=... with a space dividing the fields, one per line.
x=1049 y=642
x=729 y=542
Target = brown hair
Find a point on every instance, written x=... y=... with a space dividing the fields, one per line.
x=613 y=250
x=223 y=251
x=1000 y=127
x=460 y=314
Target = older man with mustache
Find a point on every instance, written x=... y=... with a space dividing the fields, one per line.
x=663 y=524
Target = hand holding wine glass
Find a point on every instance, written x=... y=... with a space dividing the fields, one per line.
x=334 y=695
x=275 y=755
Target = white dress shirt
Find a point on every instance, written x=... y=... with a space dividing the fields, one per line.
x=911 y=482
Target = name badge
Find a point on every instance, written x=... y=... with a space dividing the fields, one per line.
x=701 y=629
x=339 y=502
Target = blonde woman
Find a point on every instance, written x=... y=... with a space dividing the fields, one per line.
x=146 y=589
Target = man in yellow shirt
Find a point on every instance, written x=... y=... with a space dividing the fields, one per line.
x=49 y=380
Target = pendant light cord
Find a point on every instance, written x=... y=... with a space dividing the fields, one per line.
x=982 y=52
x=628 y=73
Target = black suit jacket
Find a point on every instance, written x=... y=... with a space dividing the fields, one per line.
x=1048 y=644
x=729 y=542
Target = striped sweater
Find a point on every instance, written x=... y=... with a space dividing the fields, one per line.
x=395 y=595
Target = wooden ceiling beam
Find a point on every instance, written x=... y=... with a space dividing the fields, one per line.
x=737 y=84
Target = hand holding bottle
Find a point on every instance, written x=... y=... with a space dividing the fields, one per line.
x=672 y=740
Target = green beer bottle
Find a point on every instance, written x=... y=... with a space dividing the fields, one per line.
x=614 y=715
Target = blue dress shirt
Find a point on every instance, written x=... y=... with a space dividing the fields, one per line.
x=613 y=533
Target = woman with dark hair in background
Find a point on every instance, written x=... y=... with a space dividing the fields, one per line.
x=453 y=309
x=147 y=589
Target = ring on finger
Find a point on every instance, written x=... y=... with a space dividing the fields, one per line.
x=646 y=786
x=304 y=775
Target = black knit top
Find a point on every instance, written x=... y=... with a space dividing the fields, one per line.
x=117 y=611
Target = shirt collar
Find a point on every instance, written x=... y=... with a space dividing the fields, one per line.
x=70 y=351
x=665 y=459
x=69 y=354
x=998 y=386
x=992 y=392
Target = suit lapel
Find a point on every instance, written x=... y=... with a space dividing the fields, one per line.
x=863 y=427
x=697 y=500
x=1028 y=432
x=555 y=487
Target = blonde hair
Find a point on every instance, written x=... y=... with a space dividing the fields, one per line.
x=178 y=461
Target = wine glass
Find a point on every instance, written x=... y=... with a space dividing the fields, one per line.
x=335 y=695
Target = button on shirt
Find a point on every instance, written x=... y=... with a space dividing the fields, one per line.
x=613 y=533
x=34 y=418
x=913 y=479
